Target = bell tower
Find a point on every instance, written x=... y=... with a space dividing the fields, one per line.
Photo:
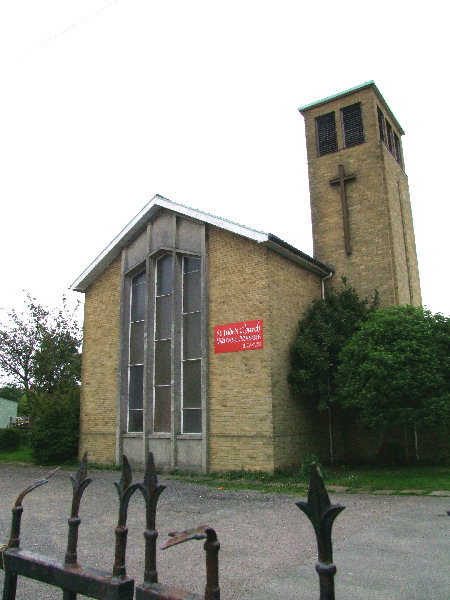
x=360 y=206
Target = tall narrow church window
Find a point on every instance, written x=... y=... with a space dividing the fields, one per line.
x=163 y=345
x=326 y=134
x=381 y=125
x=389 y=136
x=136 y=353
x=352 y=125
x=191 y=347
x=398 y=150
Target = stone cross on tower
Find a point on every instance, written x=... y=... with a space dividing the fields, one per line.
x=341 y=180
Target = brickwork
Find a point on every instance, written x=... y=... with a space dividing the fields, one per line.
x=99 y=368
x=254 y=421
x=401 y=222
x=296 y=431
x=240 y=403
x=379 y=229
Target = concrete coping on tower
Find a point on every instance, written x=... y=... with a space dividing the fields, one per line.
x=106 y=257
x=357 y=88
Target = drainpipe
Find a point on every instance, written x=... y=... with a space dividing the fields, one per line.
x=323 y=283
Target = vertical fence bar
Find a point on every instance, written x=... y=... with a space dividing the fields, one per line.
x=79 y=484
x=125 y=489
x=151 y=492
x=10 y=584
x=322 y=514
x=212 y=547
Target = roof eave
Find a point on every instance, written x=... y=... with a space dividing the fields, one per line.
x=114 y=248
x=311 y=264
x=368 y=84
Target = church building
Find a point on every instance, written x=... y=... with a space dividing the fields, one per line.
x=189 y=318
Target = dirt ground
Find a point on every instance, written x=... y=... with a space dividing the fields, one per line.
x=385 y=547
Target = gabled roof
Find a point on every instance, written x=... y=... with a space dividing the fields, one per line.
x=123 y=239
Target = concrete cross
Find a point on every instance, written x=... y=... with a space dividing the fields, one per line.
x=341 y=180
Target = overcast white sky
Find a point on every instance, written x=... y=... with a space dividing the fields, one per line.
x=104 y=104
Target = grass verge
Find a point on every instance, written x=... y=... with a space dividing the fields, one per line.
x=369 y=479
x=21 y=455
x=414 y=480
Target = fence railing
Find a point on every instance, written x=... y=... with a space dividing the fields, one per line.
x=74 y=579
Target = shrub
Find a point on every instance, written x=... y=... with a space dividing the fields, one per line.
x=304 y=473
x=10 y=439
x=56 y=416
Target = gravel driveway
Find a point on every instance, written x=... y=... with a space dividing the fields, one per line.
x=385 y=547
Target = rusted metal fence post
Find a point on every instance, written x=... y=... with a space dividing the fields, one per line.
x=125 y=489
x=79 y=484
x=69 y=576
x=151 y=492
x=322 y=514
x=211 y=546
x=10 y=583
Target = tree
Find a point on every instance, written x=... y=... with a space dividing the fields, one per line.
x=396 y=370
x=19 y=341
x=40 y=348
x=56 y=415
x=328 y=324
x=11 y=392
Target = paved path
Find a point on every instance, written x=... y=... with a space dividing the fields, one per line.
x=385 y=547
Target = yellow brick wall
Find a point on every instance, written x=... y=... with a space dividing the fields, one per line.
x=254 y=421
x=99 y=368
x=403 y=239
x=296 y=429
x=240 y=403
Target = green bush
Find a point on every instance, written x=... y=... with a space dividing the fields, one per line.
x=304 y=473
x=56 y=416
x=10 y=439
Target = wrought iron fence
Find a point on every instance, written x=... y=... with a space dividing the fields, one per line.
x=74 y=579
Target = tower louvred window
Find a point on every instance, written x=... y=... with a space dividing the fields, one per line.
x=381 y=125
x=389 y=136
x=352 y=124
x=326 y=134
x=398 y=152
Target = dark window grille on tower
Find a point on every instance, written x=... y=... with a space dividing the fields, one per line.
x=326 y=134
x=398 y=151
x=352 y=125
x=389 y=136
x=381 y=125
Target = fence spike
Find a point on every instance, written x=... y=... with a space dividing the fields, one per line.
x=79 y=484
x=125 y=488
x=151 y=491
x=322 y=514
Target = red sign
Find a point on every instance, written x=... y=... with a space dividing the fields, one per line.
x=235 y=337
